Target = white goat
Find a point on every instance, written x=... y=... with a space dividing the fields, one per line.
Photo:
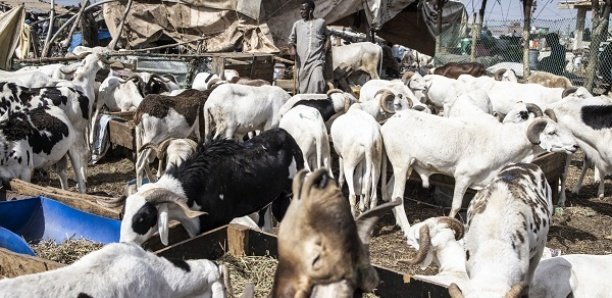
x=468 y=151
x=579 y=276
x=123 y=270
x=306 y=126
x=358 y=143
x=507 y=225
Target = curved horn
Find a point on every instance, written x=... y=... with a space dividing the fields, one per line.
x=454 y=291
x=568 y=91
x=535 y=109
x=516 y=290
x=104 y=60
x=424 y=246
x=386 y=94
x=454 y=224
x=135 y=78
x=147 y=146
x=332 y=91
x=551 y=114
x=158 y=196
x=534 y=130
x=499 y=74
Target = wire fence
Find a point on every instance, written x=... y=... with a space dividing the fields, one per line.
x=553 y=48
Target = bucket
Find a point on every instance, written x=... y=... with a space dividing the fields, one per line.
x=533 y=58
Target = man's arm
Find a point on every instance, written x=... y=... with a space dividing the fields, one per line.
x=327 y=45
x=292 y=41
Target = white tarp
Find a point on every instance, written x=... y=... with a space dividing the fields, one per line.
x=11 y=23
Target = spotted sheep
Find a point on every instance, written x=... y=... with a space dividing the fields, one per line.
x=322 y=250
x=506 y=231
x=74 y=97
x=222 y=180
x=33 y=139
x=437 y=241
x=590 y=121
x=468 y=151
x=123 y=270
x=160 y=117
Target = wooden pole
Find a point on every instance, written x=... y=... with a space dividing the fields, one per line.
x=440 y=9
x=84 y=4
x=50 y=30
x=477 y=27
x=600 y=33
x=113 y=42
x=579 y=33
x=526 y=27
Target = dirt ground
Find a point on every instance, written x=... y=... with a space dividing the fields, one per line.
x=584 y=226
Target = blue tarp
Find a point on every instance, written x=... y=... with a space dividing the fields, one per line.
x=77 y=38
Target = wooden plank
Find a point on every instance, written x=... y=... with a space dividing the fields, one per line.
x=176 y=234
x=122 y=133
x=14 y=264
x=237 y=239
x=397 y=284
x=210 y=245
x=262 y=244
x=84 y=202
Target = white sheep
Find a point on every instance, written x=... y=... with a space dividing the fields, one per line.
x=123 y=270
x=306 y=126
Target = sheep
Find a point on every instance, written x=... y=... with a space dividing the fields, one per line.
x=590 y=122
x=160 y=117
x=357 y=141
x=398 y=87
x=473 y=104
x=33 y=139
x=330 y=105
x=437 y=90
x=470 y=152
x=322 y=250
x=579 y=276
x=172 y=151
x=506 y=229
x=384 y=105
x=543 y=78
x=437 y=240
x=222 y=180
x=453 y=70
x=306 y=126
x=234 y=110
x=123 y=270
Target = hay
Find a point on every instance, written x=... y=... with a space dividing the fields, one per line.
x=251 y=269
x=67 y=252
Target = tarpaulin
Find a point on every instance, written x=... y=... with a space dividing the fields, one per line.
x=11 y=23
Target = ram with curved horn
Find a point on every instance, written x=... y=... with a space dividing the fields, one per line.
x=224 y=178
x=469 y=152
x=506 y=231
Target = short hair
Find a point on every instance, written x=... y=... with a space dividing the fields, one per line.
x=310 y=3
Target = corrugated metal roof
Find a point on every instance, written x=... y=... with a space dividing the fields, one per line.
x=35 y=6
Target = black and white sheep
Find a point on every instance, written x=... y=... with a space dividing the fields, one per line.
x=224 y=179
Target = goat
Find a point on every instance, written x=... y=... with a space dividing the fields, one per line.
x=222 y=180
x=234 y=110
x=357 y=141
x=123 y=270
x=468 y=151
x=171 y=152
x=437 y=241
x=507 y=224
x=306 y=126
x=579 y=276
x=322 y=250
x=36 y=138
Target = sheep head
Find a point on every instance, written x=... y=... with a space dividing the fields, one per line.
x=420 y=237
x=322 y=250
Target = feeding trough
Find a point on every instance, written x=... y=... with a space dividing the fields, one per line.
x=39 y=218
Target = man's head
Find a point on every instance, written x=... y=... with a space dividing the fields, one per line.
x=306 y=9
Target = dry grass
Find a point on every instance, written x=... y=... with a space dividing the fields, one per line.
x=67 y=252
x=251 y=269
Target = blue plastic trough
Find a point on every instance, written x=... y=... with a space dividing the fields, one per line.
x=32 y=220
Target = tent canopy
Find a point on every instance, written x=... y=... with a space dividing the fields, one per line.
x=260 y=26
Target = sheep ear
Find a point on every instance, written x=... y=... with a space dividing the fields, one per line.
x=163 y=223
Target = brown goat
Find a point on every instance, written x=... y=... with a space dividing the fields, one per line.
x=322 y=251
x=453 y=69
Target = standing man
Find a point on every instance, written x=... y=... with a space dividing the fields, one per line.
x=309 y=42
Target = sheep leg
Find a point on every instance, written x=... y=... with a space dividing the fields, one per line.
x=327 y=156
x=561 y=201
x=75 y=161
x=400 y=173
x=349 y=168
x=60 y=168
x=366 y=185
x=601 y=189
x=585 y=166
x=461 y=186
x=375 y=179
x=340 y=172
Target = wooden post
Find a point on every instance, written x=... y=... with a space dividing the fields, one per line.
x=579 y=33
x=113 y=42
x=526 y=28
x=600 y=33
x=477 y=26
x=84 y=4
x=50 y=30
x=237 y=240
